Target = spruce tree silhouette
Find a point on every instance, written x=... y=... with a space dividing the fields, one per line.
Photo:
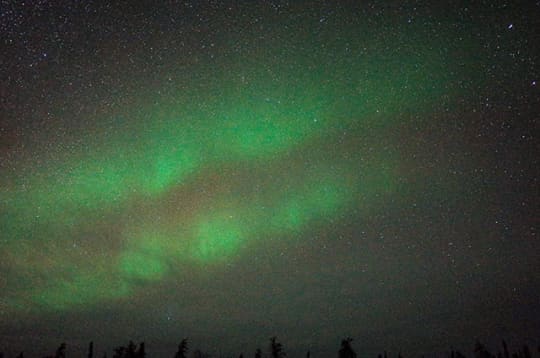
x=505 y=349
x=182 y=349
x=141 y=352
x=459 y=355
x=526 y=353
x=91 y=350
x=21 y=355
x=258 y=353
x=346 y=350
x=130 y=351
x=308 y=354
x=241 y=355
x=276 y=348
x=119 y=352
x=61 y=351
x=480 y=351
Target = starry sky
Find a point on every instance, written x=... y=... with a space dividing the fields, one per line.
x=228 y=171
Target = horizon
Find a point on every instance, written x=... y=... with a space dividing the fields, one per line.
x=500 y=350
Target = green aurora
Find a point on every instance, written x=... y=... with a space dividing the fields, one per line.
x=169 y=181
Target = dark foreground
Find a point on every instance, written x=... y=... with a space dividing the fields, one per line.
x=276 y=350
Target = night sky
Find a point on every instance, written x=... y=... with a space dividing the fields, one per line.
x=228 y=171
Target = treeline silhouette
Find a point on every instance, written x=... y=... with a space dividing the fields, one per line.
x=276 y=350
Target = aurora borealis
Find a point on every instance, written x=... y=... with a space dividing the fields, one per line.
x=230 y=171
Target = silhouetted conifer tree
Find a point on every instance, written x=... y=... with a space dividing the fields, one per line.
x=459 y=355
x=119 y=352
x=141 y=352
x=130 y=351
x=258 y=353
x=346 y=350
x=276 y=348
x=21 y=355
x=182 y=349
x=505 y=349
x=526 y=352
x=480 y=351
x=61 y=351
x=241 y=355
x=91 y=350
x=308 y=354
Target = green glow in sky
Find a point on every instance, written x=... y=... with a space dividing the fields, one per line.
x=172 y=157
